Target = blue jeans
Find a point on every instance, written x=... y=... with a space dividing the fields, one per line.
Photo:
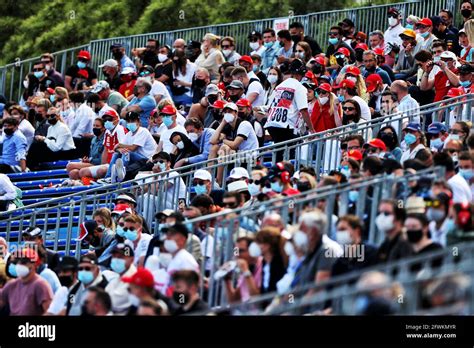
x=127 y=159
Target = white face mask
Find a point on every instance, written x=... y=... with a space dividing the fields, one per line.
x=228 y=117
x=254 y=250
x=48 y=67
x=22 y=271
x=165 y=259
x=300 y=239
x=170 y=245
x=289 y=248
x=193 y=136
x=272 y=79
x=392 y=21
x=384 y=222
x=254 y=45
x=343 y=237
x=180 y=145
x=162 y=57
x=25 y=83
x=323 y=100
x=226 y=53
x=352 y=78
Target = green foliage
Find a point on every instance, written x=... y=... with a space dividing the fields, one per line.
x=32 y=27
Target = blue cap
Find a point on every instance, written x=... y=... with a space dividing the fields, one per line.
x=116 y=45
x=414 y=126
x=2 y=107
x=437 y=127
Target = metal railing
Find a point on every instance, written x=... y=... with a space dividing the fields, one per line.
x=407 y=280
x=317 y=25
x=320 y=150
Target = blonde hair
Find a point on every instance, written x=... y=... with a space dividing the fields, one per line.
x=106 y=215
x=469 y=29
x=62 y=92
x=362 y=89
x=310 y=178
x=213 y=39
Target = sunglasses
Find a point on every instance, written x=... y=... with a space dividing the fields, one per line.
x=332 y=33
x=446 y=60
x=107 y=119
x=83 y=60
x=51 y=115
x=322 y=92
x=159 y=161
x=256 y=182
x=231 y=205
x=151 y=47
x=344 y=146
x=348 y=108
x=131 y=229
x=38 y=69
x=226 y=46
x=86 y=268
x=372 y=150
x=455 y=131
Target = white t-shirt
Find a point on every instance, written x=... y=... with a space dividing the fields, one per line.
x=165 y=137
x=142 y=247
x=259 y=51
x=158 y=88
x=256 y=87
x=246 y=130
x=461 y=191
x=27 y=130
x=83 y=119
x=188 y=77
x=102 y=111
x=145 y=141
x=207 y=250
x=182 y=261
x=409 y=154
x=286 y=101
x=364 y=108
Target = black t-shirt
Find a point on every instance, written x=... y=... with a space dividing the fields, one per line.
x=114 y=83
x=197 y=307
x=74 y=69
x=315 y=48
x=164 y=69
x=150 y=59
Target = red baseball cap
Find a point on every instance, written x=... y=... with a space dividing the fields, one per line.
x=352 y=69
x=84 y=55
x=372 y=81
x=219 y=104
x=244 y=102
x=168 y=110
x=355 y=154
x=142 y=277
x=325 y=87
x=247 y=59
x=347 y=84
x=379 y=51
x=83 y=73
x=50 y=90
x=425 y=21
x=362 y=46
x=111 y=112
x=344 y=51
x=454 y=92
x=320 y=60
x=377 y=143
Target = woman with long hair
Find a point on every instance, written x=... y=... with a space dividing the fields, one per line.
x=326 y=111
x=62 y=102
x=303 y=51
x=274 y=78
x=388 y=135
x=211 y=57
x=183 y=72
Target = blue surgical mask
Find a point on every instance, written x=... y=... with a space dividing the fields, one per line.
x=109 y=125
x=162 y=166
x=425 y=35
x=168 y=121
x=409 y=26
x=333 y=40
x=52 y=98
x=132 y=127
x=340 y=98
x=120 y=231
x=85 y=277
x=276 y=187
x=465 y=84
x=118 y=265
x=436 y=143
x=254 y=189
x=353 y=196
x=81 y=65
x=38 y=74
x=268 y=44
x=200 y=189
x=131 y=235
x=410 y=138
x=346 y=171
x=255 y=68
x=12 y=270
x=189 y=226
x=467 y=174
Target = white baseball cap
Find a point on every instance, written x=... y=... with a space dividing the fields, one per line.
x=111 y=63
x=202 y=175
x=127 y=70
x=238 y=186
x=231 y=106
x=239 y=173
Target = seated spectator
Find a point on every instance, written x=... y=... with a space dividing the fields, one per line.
x=55 y=76
x=110 y=70
x=57 y=145
x=81 y=127
x=200 y=137
x=185 y=148
x=348 y=91
x=113 y=99
x=73 y=76
x=13 y=157
x=415 y=141
x=170 y=120
x=405 y=65
x=139 y=240
x=97 y=302
x=253 y=88
x=211 y=57
x=228 y=50
x=18 y=113
x=326 y=113
x=461 y=191
x=128 y=77
x=78 y=170
x=389 y=136
x=143 y=103
x=186 y=292
x=118 y=52
x=41 y=117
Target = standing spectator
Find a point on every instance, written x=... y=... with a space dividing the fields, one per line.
x=183 y=72
x=211 y=57
x=271 y=48
x=186 y=292
x=228 y=50
x=55 y=76
x=29 y=294
x=274 y=78
x=118 y=52
x=81 y=127
x=297 y=35
x=72 y=75
x=255 y=43
x=466 y=11
x=286 y=47
x=142 y=102
x=147 y=55
x=392 y=34
x=13 y=157
x=40 y=79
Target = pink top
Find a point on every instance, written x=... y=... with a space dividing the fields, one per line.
x=257 y=277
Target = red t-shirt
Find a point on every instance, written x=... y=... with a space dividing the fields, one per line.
x=441 y=85
x=112 y=139
x=291 y=192
x=126 y=89
x=321 y=118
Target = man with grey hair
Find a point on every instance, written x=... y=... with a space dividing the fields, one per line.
x=369 y=58
x=143 y=103
x=319 y=258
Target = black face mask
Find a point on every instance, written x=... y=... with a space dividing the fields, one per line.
x=340 y=61
x=97 y=131
x=180 y=298
x=212 y=99
x=414 y=236
x=38 y=117
x=217 y=114
x=66 y=280
x=359 y=54
x=242 y=115
x=388 y=139
x=199 y=83
x=282 y=44
x=295 y=38
x=317 y=69
x=466 y=13
x=8 y=131
x=118 y=55
x=234 y=98
x=303 y=186
x=52 y=121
